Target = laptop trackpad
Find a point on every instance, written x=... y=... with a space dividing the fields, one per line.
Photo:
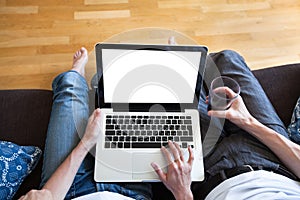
x=141 y=166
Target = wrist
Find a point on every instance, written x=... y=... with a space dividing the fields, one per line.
x=248 y=122
x=88 y=143
x=252 y=125
x=84 y=147
x=187 y=195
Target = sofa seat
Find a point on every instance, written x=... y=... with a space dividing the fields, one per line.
x=25 y=114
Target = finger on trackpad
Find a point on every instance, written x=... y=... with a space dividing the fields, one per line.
x=142 y=169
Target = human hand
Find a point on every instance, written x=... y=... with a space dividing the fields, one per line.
x=37 y=195
x=92 y=130
x=237 y=113
x=178 y=177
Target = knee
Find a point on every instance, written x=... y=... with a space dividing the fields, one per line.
x=69 y=79
x=227 y=55
x=229 y=59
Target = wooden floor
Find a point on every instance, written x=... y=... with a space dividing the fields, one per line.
x=38 y=37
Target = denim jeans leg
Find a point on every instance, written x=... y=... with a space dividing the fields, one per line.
x=139 y=191
x=83 y=183
x=70 y=112
x=67 y=122
x=211 y=127
x=239 y=149
x=230 y=63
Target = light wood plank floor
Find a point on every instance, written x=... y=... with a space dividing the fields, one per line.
x=38 y=37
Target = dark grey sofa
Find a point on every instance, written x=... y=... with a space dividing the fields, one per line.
x=25 y=114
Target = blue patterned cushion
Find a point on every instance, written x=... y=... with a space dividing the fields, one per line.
x=16 y=162
x=294 y=127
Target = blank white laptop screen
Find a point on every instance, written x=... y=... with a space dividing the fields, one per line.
x=147 y=76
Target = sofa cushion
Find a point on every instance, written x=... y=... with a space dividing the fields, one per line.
x=16 y=162
x=294 y=127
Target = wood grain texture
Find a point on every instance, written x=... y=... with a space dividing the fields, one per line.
x=95 y=2
x=38 y=38
x=101 y=14
x=19 y=10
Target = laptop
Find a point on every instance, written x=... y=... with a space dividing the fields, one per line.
x=148 y=94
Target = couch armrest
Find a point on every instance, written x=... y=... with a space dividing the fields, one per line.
x=282 y=86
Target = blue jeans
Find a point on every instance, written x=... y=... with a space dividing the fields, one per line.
x=229 y=146
x=70 y=112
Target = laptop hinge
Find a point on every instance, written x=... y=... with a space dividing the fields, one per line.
x=121 y=110
x=147 y=107
x=143 y=110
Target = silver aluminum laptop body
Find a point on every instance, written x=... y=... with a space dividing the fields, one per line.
x=152 y=83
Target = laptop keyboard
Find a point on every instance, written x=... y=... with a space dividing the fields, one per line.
x=142 y=131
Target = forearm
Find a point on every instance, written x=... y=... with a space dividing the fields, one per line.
x=60 y=182
x=287 y=151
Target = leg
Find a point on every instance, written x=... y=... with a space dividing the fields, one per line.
x=234 y=150
x=139 y=191
x=67 y=124
x=211 y=127
x=68 y=118
x=230 y=63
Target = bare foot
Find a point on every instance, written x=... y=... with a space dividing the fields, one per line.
x=172 y=41
x=80 y=59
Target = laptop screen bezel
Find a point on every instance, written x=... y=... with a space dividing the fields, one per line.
x=100 y=100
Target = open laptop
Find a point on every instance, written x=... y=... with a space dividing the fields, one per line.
x=148 y=94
